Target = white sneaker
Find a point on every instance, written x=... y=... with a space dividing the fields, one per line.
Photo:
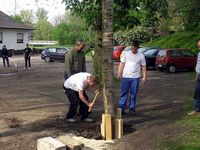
x=29 y=68
x=71 y=120
x=88 y=120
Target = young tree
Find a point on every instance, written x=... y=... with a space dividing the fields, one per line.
x=107 y=59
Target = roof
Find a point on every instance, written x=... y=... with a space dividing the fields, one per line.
x=8 y=23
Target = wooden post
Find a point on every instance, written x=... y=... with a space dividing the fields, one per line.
x=119 y=113
x=118 y=124
x=118 y=128
x=103 y=128
x=108 y=126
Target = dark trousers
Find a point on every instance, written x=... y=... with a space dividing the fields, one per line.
x=27 y=61
x=74 y=100
x=5 y=58
x=197 y=95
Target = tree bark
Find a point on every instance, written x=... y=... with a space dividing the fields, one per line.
x=107 y=58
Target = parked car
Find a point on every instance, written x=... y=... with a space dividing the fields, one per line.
x=141 y=49
x=173 y=59
x=117 y=50
x=145 y=49
x=150 y=57
x=52 y=54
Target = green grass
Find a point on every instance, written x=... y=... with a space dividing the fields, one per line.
x=186 y=40
x=189 y=138
x=47 y=46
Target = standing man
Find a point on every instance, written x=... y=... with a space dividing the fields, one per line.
x=27 y=56
x=75 y=60
x=75 y=87
x=129 y=72
x=197 y=87
x=4 y=54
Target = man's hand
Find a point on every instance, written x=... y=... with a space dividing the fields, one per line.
x=119 y=76
x=143 y=80
x=90 y=105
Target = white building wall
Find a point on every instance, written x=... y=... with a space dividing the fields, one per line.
x=10 y=38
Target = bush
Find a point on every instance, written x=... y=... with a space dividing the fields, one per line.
x=126 y=37
x=186 y=40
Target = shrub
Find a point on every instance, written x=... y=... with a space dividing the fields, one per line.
x=126 y=37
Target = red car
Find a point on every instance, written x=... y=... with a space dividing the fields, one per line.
x=117 y=52
x=173 y=59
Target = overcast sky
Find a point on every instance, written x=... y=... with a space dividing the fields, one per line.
x=54 y=7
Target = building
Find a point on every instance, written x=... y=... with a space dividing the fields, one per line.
x=12 y=34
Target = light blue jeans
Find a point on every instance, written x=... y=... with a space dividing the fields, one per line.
x=129 y=85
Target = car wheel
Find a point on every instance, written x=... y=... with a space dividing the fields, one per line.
x=171 y=69
x=47 y=59
x=160 y=69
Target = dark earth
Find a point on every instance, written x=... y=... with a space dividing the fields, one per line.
x=33 y=104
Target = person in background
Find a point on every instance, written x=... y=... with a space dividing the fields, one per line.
x=197 y=87
x=75 y=60
x=75 y=87
x=4 y=54
x=27 y=57
x=129 y=72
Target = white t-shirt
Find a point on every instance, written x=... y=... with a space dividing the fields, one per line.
x=77 y=81
x=133 y=63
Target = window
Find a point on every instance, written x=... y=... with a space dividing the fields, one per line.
x=162 y=53
x=1 y=37
x=52 y=50
x=176 y=53
x=20 y=38
x=61 y=50
x=188 y=53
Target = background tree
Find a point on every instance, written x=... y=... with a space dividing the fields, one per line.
x=25 y=17
x=41 y=14
x=43 y=30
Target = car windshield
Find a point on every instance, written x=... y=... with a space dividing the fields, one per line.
x=52 y=50
x=150 y=52
x=116 y=49
x=61 y=50
x=128 y=48
x=162 y=53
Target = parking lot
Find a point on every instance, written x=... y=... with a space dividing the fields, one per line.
x=32 y=105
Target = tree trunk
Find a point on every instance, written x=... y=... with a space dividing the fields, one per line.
x=107 y=59
x=97 y=59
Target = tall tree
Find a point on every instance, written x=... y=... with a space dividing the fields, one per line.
x=24 y=17
x=41 y=14
x=43 y=30
x=190 y=12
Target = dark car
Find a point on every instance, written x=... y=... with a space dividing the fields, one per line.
x=141 y=49
x=150 y=57
x=145 y=49
x=173 y=59
x=117 y=50
x=52 y=54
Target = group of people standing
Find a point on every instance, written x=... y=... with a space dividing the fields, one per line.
x=26 y=54
x=77 y=80
x=132 y=63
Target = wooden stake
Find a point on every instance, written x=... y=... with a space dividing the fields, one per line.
x=118 y=128
x=108 y=122
x=103 y=128
x=119 y=113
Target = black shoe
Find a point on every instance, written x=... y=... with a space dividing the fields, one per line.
x=132 y=111
x=123 y=113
